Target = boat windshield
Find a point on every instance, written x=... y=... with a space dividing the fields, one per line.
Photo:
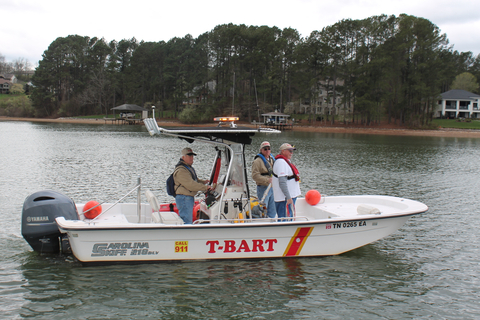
x=232 y=168
x=237 y=169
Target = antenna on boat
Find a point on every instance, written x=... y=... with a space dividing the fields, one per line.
x=233 y=99
x=256 y=98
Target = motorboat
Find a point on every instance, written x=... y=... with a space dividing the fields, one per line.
x=229 y=223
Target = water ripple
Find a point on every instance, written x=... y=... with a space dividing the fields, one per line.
x=427 y=269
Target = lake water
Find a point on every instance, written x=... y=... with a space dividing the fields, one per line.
x=429 y=268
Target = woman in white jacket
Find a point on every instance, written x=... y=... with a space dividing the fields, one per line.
x=286 y=181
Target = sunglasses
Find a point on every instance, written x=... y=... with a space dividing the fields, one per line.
x=266 y=148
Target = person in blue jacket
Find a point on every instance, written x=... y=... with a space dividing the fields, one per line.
x=262 y=175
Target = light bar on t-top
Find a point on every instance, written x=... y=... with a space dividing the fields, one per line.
x=225 y=119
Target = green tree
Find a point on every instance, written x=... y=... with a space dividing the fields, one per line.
x=417 y=45
x=119 y=63
x=475 y=68
x=380 y=65
x=465 y=81
x=62 y=75
x=17 y=88
x=313 y=60
x=96 y=96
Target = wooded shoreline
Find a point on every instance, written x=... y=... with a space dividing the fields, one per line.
x=374 y=129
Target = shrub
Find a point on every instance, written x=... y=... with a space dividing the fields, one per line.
x=196 y=114
x=17 y=106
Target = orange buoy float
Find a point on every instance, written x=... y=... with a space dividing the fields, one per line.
x=91 y=214
x=195 y=212
x=313 y=197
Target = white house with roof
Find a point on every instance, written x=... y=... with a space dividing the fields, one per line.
x=458 y=104
x=9 y=77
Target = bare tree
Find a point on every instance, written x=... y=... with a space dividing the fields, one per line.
x=97 y=92
x=2 y=63
x=5 y=67
x=20 y=66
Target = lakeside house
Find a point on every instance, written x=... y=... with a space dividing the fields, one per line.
x=323 y=101
x=9 y=77
x=200 y=94
x=4 y=86
x=458 y=104
x=6 y=81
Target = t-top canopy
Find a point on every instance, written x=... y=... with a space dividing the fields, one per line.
x=241 y=135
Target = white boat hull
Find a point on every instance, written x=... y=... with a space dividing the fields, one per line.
x=331 y=228
x=136 y=232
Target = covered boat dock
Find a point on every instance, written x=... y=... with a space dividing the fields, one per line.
x=127 y=114
x=277 y=120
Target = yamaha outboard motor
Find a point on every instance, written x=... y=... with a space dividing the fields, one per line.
x=38 y=221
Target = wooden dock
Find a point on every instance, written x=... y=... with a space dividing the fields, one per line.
x=277 y=126
x=123 y=120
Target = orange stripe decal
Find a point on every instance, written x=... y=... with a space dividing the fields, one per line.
x=297 y=242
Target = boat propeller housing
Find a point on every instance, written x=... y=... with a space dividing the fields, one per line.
x=39 y=228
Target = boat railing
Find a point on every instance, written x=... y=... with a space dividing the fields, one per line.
x=248 y=220
x=301 y=218
x=138 y=188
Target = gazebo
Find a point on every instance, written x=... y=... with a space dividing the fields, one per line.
x=275 y=118
x=128 y=113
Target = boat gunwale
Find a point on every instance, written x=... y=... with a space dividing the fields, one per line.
x=155 y=226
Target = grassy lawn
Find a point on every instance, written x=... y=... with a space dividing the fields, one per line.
x=5 y=97
x=453 y=123
x=441 y=123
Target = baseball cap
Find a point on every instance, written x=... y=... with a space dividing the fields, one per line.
x=264 y=144
x=287 y=146
x=188 y=151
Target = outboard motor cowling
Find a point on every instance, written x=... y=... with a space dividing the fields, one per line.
x=39 y=228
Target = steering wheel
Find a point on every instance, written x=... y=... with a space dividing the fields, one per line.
x=210 y=197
